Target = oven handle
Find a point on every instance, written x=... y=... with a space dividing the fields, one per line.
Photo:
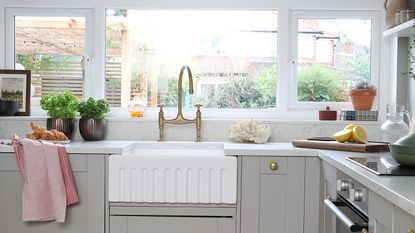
x=332 y=205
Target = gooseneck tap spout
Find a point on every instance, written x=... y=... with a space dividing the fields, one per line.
x=179 y=89
x=180 y=119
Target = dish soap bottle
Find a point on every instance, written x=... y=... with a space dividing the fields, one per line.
x=137 y=105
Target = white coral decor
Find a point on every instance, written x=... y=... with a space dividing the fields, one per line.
x=249 y=131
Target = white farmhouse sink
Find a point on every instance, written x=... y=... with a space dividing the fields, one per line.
x=173 y=172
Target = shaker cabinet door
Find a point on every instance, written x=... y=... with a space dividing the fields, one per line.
x=85 y=217
x=272 y=194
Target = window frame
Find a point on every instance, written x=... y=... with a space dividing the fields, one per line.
x=287 y=106
x=10 y=51
x=376 y=34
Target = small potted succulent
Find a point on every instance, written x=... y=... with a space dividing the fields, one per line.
x=92 y=124
x=61 y=109
x=362 y=95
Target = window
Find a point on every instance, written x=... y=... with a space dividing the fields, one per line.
x=54 y=47
x=232 y=55
x=335 y=51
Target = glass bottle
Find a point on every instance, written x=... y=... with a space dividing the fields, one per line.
x=138 y=104
x=394 y=127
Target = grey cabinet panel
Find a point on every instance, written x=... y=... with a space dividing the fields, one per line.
x=85 y=217
x=151 y=224
x=380 y=214
x=312 y=204
x=272 y=206
x=328 y=189
x=403 y=222
x=272 y=203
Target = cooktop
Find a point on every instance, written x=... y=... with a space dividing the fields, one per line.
x=383 y=166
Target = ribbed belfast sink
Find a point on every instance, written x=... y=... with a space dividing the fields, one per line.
x=173 y=172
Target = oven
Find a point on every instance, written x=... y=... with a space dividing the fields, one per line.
x=350 y=205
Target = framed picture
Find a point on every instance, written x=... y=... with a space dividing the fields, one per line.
x=15 y=86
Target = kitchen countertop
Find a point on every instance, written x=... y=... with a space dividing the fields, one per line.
x=399 y=190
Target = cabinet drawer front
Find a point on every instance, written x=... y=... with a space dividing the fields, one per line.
x=142 y=224
x=274 y=165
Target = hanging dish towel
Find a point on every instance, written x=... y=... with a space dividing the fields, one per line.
x=48 y=186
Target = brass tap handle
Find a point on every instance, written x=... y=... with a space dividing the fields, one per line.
x=161 y=123
x=198 y=123
x=273 y=166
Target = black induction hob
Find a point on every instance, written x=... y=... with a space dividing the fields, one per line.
x=383 y=166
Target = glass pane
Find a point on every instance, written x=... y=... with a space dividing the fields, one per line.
x=232 y=55
x=53 y=48
x=333 y=54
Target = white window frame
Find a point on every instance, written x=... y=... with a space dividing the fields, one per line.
x=226 y=113
x=376 y=34
x=10 y=51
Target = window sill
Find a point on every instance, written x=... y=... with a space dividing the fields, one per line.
x=211 y=120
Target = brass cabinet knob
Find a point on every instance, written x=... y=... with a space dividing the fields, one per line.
x=411 y=231
x=273 y=166
x=365 y=230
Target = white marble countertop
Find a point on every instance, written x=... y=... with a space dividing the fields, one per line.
x=399 y=190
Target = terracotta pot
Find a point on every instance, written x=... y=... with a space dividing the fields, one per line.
x=362 y=99
x=63 y=125
x=93 y=129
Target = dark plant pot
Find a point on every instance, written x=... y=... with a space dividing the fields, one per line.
x=8 y=107
x=93 y=129
x=63 y=125
x=362 y=99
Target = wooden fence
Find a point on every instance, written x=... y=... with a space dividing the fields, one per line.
x=71 y=77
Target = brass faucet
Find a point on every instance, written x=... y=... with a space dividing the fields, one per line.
x=180 y=119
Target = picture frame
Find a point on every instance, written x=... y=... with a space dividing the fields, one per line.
x=15 y=86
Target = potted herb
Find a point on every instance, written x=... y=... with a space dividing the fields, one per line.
x=92 y=124
x=362 y=95
x=61 y=109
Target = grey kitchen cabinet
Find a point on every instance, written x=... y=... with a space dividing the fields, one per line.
x=328 y=189
x=172 y=218
x=403 y=222
x=380 y=214
x=273 y=194
x=88 y=216
x=171 y=224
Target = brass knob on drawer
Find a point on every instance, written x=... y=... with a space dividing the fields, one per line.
x=411 y=231
x=365 y=230
x=273 y=166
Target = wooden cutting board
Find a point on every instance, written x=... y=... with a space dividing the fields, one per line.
x=346 y=146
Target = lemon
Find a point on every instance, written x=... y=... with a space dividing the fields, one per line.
x=349 y=126
x=360 y=134
x=343 y=135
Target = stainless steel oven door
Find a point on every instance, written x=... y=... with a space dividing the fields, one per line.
x=348 y=218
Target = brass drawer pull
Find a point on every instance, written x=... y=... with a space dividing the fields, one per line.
x=365 y=230
x=273 y=166
x=411 y=231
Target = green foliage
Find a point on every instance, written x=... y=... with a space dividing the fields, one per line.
x=93 y=109
x=243 y=91
x=267 y=84
x=317 y=83
x=62 y=104
x=360 y=64
x=39 y=62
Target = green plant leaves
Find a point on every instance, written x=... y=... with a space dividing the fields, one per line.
x=93 y=109
x=62 y=104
